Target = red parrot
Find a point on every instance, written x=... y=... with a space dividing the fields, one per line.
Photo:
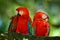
x=40 y=25
x=21 y=22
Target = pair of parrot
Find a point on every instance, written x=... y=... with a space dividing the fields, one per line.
x=22 y=23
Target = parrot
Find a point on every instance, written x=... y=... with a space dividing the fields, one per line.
x=24 y=21
x=21 y=23
x=40 y=24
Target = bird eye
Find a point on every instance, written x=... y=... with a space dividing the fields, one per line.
x=44 y=16
x=21 y=12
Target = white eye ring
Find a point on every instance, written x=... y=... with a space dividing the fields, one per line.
x=21 y=12
x=44 y=16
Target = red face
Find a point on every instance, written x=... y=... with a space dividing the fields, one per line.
x=41 y=15
x=22 y=11
x=44 y=16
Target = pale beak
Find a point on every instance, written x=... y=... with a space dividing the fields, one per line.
x=46 y=19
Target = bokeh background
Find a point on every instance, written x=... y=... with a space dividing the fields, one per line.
x=52 y=7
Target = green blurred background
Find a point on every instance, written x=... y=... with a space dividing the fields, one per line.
x=52 y=7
